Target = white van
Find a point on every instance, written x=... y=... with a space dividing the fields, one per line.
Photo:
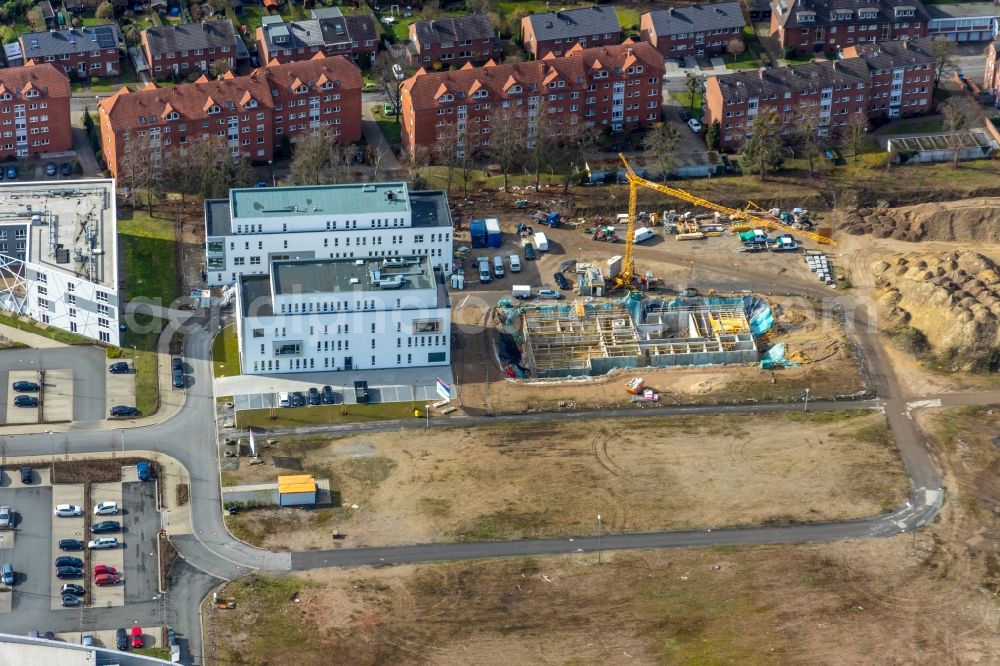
x=541 y=242
x=643 y=234
x=498 y=266
x=515 y=263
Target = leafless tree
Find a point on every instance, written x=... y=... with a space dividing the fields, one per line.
x=390 y=72
x=65 y=448
x=960 y=114
x=446 y=151
x=140 y=167
x=319 y=158
x=508 y=130
x=735 y=47
x=807 y=138
x=856 y=134
x=661 y=143
x=943 y=50
x=374 y=155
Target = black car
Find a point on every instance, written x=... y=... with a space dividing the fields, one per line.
x=176 y=363
x=314 y=396
x=69 y=572
x=51 y=169
x=121 y=639
x=25 y=475
x=327 y=395
x=72 y=588
x=25 y=401
x=70 y=544
x=125 y=410
x=119 y=368
x=25 y=387
x=66 y=169
x=68 y=561
x=685 y=116
x=178 y=378
x=561 y=280
x=105 y=526
x=49 y=636
x=529 y=251
x=298 y=399
x=70 y=601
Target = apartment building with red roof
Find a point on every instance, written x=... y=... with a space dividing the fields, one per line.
x=608 y=88
x=34 y=111
x=252 y=113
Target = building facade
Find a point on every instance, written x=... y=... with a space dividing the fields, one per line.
x=815 y=26
x=454 y=41
x=312 y=315
x=695 y=30
x=251 y=113
x=256 y=226
x=608 y=88
x=885 y=79
x=34 y=111
x=85 y=52
x=558 y=32
x=965 y=22
x=178 y=50
x=991 y=77
x=328 y=32
x=59 y=256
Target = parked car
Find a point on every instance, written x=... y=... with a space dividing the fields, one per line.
x=107 y=579
x=685 y=116
x=314 y=398
x=26 y=401
x=103 y=543
x=106 y=509
x=327 y=395
x=121 y=639
x=6 y=518
x=284 y=399
x=104 y=569
x=549 y=293
x=12 y=173
x=70 y=544
x=142 y=469
x=67 y=511
x=7 y=573
x=25 y=475
x=137 y=637
x=72 y=588
x=69 y=572
x=176 y=363
x=51 y=169
x=68 y=561
x=105 y=526
x=298 y=399
x=70 y=601
x=561 y=280
x=25 y=387
x=695 y=125
x=87 y=640
x=66 y=169
x=529 y=252
x=125 y=411
x=178 y=380
x=119 y=368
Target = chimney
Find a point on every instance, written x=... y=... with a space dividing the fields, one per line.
x=760 y=72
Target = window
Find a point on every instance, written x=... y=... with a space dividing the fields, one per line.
x=102 y=297
x=254 y=261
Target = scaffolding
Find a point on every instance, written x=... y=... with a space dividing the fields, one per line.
x=577 y=340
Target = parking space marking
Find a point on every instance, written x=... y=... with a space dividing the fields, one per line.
x=111 y=595
x=141 y=524
x=58 y=405
x=21 y=415
x=120 y=389
x=7 y=538
x=65 y=528
x=32 y=509
x=345 y=395
x=106 y=637
x=39 y=477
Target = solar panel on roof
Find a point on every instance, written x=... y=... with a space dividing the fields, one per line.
x=105 y=37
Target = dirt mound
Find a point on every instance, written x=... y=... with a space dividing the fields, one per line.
x=945 y=304
x=963 y=220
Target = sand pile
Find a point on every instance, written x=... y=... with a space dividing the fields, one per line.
x=963 y=220
x=949 y=300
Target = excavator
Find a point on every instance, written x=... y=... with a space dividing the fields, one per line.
x=752 y=216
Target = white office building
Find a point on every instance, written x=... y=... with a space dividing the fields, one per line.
x=323 y=314
x=59 y=255
x=256 y=226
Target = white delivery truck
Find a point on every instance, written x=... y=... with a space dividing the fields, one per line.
x=521 y=291
x=643 y=234
x=541 y=242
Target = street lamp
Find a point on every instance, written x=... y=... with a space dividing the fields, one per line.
x=135 y=372
x=427 y=415
x=600 y=531
x=52 y=457
x=270 y=168
x=805 y=405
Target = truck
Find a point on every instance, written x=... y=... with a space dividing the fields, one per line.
x=477 y=229
x=541 y=242
x=360 y=392
x=550 y=218
x=521 y=291
x=493 y=238
x=484 y=269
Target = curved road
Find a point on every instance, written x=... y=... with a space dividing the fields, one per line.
x=211 y=555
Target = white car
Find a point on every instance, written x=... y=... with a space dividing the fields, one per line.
x=6 y=521
x=106 y=509
x=284 y=399
x=695 y=125
x=68 y=510
x=103 y=543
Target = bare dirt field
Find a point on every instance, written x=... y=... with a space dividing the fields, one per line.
x=903 y=600
x=547 y=479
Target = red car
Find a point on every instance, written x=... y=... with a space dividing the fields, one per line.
x=105 y=569
x=137 y=637
x=107 y=579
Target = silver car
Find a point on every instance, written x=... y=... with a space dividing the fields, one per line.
x=6 y=520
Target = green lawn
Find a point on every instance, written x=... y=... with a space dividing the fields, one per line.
x=147 y=247
x=799 y=58
x=226 y=353
x=628 y=18
x=92 y=20
x=923 y=126
x=50 y=332
x=158 y=652
x=390 y=128
x=143 y=333
x=290 y=417
x=684 y=99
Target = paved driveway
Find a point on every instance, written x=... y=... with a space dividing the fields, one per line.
x=32 y=508
x=88 y=365
x=141 y=523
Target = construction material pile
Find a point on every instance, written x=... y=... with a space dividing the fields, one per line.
x=962 y=220
x=946 y=304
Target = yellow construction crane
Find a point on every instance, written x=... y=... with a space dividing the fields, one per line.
x=752 y=214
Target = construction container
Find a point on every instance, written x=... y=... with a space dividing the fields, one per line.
x=297 y=490
x=493 y=238
x=614 y=266
x=477 y=229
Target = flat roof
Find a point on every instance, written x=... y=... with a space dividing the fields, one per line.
x=256 y=295
x=76 y=230
x=430 y=209
x=297 y=483
x=218 y=222
x=310 y=200
x=963 y=10
x=332 y=276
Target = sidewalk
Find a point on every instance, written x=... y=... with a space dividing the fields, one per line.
x=375 y=138
x=33 y=340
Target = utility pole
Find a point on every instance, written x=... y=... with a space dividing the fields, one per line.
x=52 y=458
x=805 y=405
x=600 y=532
x=427 y=415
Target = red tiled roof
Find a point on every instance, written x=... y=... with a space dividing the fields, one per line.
x=45 y=78
x=426 y=88
x=191 y=100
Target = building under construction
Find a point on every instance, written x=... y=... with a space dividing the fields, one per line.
x=593 y=338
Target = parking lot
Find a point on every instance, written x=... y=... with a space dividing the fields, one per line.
x=32 y=509
x=121 y=387
x=73 y=387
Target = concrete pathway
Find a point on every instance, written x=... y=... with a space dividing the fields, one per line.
x=33 y=340
x=376 y=139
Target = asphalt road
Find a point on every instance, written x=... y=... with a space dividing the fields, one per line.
x=140 y=523
x=32 y=508
x=87 y=364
